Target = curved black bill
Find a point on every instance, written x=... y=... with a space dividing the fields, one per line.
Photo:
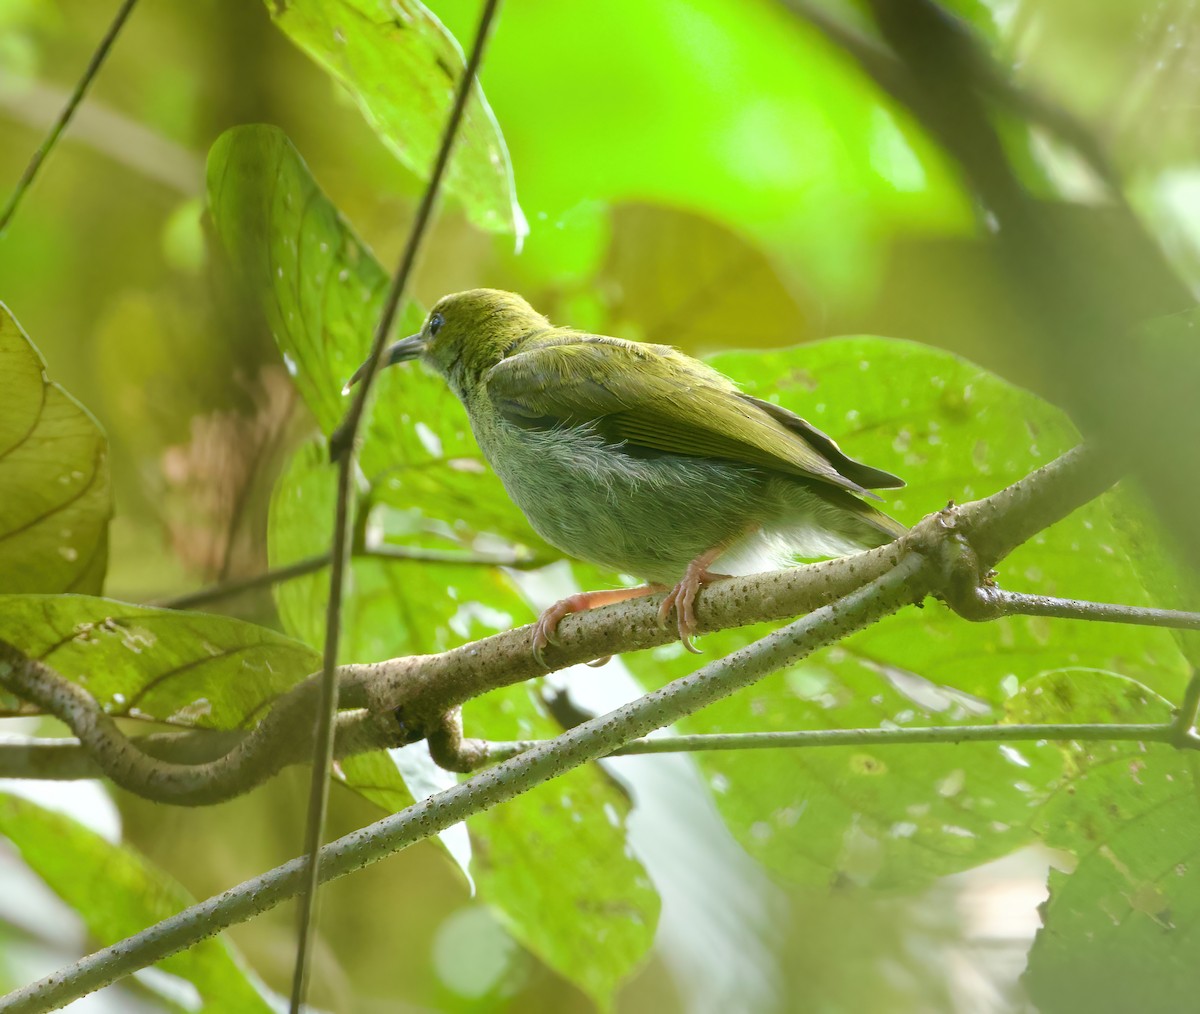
x=403 y=350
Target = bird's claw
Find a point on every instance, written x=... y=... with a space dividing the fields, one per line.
x=545 y=630
x=682 y=598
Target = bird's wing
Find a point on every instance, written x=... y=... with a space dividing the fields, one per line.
x=653 y=399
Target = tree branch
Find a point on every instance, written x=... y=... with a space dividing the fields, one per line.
x=1008 y=603
x=809 y=738
x=907 y=580
x=250 y=760
x=407 y=699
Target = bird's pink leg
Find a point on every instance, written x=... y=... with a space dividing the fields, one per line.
x=547 y=624
x=683 y=596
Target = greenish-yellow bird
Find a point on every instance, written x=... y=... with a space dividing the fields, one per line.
x=641 y=459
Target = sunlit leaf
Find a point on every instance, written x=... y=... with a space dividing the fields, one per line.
x=1119 y=932
x=739 y=112
x=401 y=66
x=118 y=892
x=393 y=779
x=54 y=486
x=890 y=815
x=190 y=669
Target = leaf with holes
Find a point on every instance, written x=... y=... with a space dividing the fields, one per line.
x=55 y=501
x=188 y=669
x=117 y=893
x=889 y=815
x=1120 y=931
x=401 y=66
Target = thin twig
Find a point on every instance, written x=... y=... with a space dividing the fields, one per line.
x=64 y=118
x=228 y=589
x=1021 y=604
x=806 y=738
x=37 y=758
x=1185 y=717
x=490 y=787
x=66 y=758
x=342 y=445
x=301 y=568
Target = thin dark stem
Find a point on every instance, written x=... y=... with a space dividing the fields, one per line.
x=1185 y=718
x=64 y=118
x=301 y=568
x=1019 y=604
x=228 y=589
x=343 y=451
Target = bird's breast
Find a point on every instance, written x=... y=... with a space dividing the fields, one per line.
x=646 y=516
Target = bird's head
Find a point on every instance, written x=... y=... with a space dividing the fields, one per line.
x=466 y=334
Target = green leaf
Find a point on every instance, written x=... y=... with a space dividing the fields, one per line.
x=320 y=289
x=117 y=893
x=1120 y=931
x=189 y=669
x=555 y=863
x=906 y=815
x=585 y=907
x=55 y=500
x=401 y=66
x=394 y=606
x=394 y=779
x=730 y=286
x=322 y=293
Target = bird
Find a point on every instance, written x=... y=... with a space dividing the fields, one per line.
x=641 y=459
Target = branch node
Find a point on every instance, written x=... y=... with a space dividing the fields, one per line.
x=453 y=751
x=967 y=588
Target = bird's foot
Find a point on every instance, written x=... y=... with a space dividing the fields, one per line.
x=545 y=630
x=682 y=598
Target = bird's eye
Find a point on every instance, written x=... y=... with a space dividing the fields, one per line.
x=435 y=324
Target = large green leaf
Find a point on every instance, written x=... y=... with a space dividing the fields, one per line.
x=893 y=815
x=320 y=289
x=1120 y=931
x=401 y=66
x=117 y=893
x=322 y=292
x=730 y=287
x=54 y=487
x=555 y=864
x=192 y=669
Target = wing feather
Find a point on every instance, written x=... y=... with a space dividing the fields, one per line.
x=654 y=398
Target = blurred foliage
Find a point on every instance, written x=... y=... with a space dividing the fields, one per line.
x=711 y=174
x=55 y=500
x=117 y=893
